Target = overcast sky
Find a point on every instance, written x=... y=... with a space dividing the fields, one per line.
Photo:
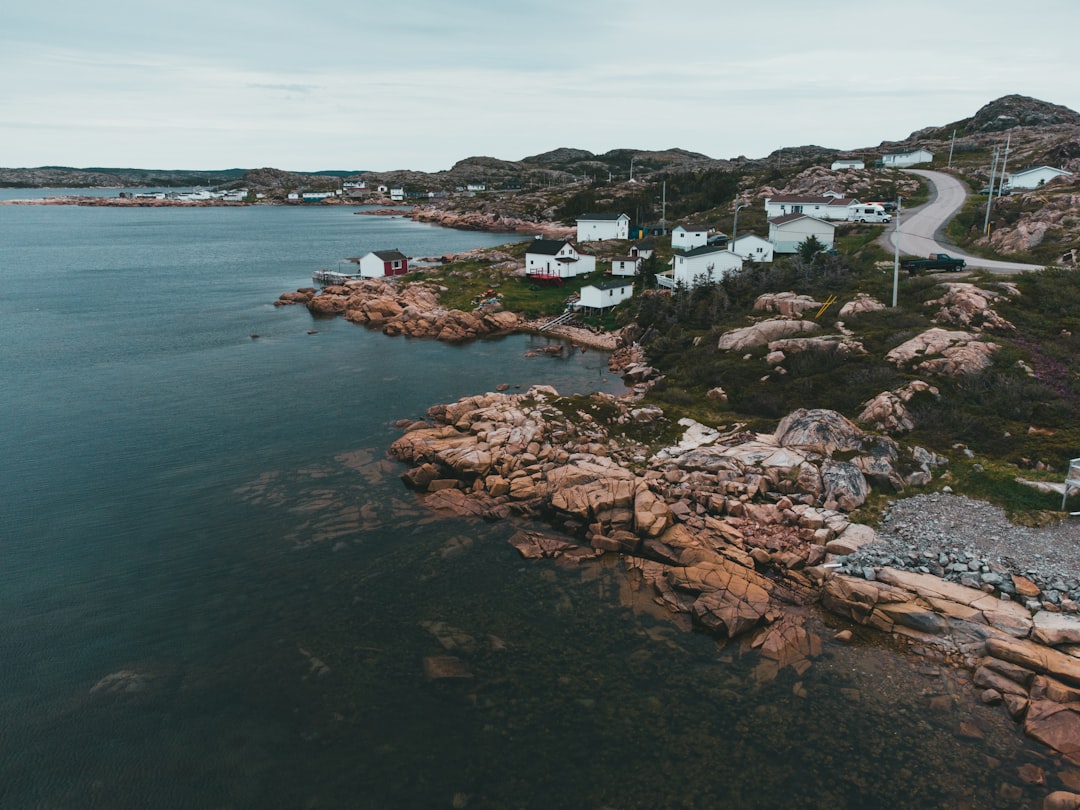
x=421 y=84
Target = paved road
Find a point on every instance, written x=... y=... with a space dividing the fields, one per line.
x=922 y=229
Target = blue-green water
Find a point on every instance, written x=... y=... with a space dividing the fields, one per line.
x=214 y=515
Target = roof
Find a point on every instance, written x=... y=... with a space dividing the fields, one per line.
x=626 y=258
x=786 y=218
x=707 y=249
x=391 y=255
x=611 y=285
x=601 y=217
x=842 y=202
x=752 y=236
x=693 y=227
x=909 y=152
x=546 y=247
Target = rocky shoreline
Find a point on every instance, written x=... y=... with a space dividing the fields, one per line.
x=741 y=533
x=414 y=310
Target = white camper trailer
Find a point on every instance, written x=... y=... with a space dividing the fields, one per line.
x=868 y=212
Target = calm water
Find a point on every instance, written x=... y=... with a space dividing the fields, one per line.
x=211 y=520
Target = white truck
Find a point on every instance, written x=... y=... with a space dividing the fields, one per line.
x=868 y=212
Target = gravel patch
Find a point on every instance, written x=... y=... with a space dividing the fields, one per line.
x=973 y=543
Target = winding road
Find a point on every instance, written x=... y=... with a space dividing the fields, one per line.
x=922 y=230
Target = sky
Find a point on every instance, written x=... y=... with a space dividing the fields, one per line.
x=422 y=84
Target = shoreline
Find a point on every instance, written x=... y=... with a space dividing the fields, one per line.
x=728 y=529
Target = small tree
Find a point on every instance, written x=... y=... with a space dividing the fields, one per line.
x=810 y=247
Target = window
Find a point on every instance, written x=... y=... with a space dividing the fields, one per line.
x=395 y=264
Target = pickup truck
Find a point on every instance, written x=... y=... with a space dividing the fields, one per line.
x=936 y=261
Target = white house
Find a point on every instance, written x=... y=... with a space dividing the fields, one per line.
x=851 y=163
x=556 y=259
x=381 y=263
x=703 y=265
x=594 y=227
x=788 y=232
x=752 y=248
x=1034 y=177
x=642 y=250
x=898 y=160
x=688 y=237
x=476 y=187
x=828 y=206
x=625 y=265
x=605 y=294
x=397 y=194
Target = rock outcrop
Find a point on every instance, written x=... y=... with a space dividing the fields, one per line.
x=403 y=309
x=940 y=351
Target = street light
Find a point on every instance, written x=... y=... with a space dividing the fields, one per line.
x=735 y=226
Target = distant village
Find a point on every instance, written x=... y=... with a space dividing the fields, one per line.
x=700 y=254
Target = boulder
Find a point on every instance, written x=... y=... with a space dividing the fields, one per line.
x=944 y=352
x=854 y=537
x=1056 y=725
x=862 y=302
x=845 y=485
x=761 y=334
x=731 y=599
x=1036 y=657
x=819 y=431
x=1056 y=628
x=787 y=304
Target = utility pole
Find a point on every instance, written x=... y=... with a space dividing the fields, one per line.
x=990 y=192
x=663 y=209
x=735 y=226
x=952 y=143
x=1004 y=163
x=631 y=170
x=896 y=254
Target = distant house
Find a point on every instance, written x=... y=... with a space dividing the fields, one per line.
x=703 y=265
x=381 y=263
x=789 y=231
x=382 y=189
x=556 y=259
x=605 y=294
x=317 y=196
x=752 y=248
x=625 y=265
x=688 y=237
x=828 y=206
x=397 y=194
x=642 y=250
x=594 y=227
x=1034 y=177
x=898 y=160
x=847 y=163
x=476 y=187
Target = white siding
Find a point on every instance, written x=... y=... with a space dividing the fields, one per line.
x=592 y=230
x=787 y=237
x=705 y=269
x=624 y=267
x=1033 y=178
x=682 y=239
x=598 y=298
x=753 y=248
